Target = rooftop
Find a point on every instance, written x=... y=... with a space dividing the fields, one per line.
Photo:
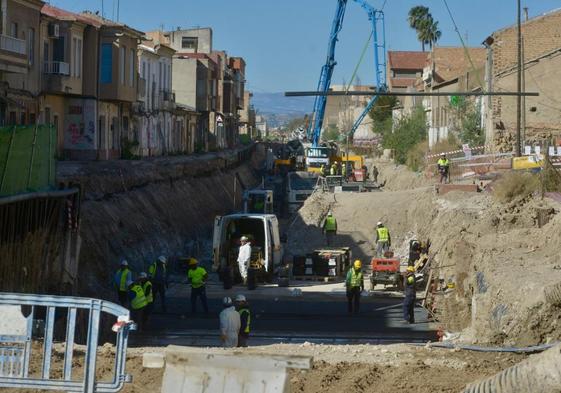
x=407 y=60
x=451 y=62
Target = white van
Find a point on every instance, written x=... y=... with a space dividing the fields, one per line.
x=261 y=229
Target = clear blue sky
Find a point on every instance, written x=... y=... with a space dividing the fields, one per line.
x=284 y=42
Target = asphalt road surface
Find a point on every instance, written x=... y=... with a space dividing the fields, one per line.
x=310 y=317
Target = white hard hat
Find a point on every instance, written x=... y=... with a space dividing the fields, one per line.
x=162 y=259
x=227 y=301
x=380 y=223
x=124 y=262
x=143 y=275
x=240 y=298
x=244 y=238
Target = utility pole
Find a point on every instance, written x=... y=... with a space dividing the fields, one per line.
x=519 y=89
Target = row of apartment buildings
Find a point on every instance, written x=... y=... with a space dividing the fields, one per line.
x=113 y=91
x=490 y=67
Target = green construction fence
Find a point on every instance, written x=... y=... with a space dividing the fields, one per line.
x=27 y=159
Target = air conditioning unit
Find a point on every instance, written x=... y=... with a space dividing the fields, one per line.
x=54 y=30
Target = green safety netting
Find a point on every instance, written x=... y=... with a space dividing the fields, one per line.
x=27 y=159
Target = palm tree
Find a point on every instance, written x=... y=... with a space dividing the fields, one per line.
x=416 y=15
x=421 y=20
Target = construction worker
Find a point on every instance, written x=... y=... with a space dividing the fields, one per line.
x=138 y=303
x=330 y=228
x=375 y=174
x=443 y=166
x=410 y=296
x=157 y=273
x=245 y=320
x=355 y=285
x=148 y=294
x=197 y=276
x=322 y=170
x=120 y=280
x=229 y=324
x=344 y=170
x=333 y=169
x=244 y=257
x=383 y=239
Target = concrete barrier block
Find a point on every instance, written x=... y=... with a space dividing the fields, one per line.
x=153 y=360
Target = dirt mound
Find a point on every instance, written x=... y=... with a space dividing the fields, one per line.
x=398 y=177
x=498 y=256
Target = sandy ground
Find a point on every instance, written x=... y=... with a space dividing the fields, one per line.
x=348 y=368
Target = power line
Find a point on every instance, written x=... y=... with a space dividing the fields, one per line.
x=464 y=45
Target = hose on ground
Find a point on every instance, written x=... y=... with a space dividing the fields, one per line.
x=553 y=294
x=539 y=373
x=532 y=349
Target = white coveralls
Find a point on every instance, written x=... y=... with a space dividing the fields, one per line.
x=230 y=326
x=244 y=257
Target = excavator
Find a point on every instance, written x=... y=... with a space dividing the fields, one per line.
x=319 y=153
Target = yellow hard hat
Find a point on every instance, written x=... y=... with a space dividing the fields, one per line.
x=410 y=268
x=357 y=264
x=193 y=261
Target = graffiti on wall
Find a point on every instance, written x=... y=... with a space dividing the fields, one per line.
x=79 y=124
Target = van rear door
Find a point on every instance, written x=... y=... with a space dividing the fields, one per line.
x=216 y=241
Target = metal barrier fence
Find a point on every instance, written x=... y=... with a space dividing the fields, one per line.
x=16 y=344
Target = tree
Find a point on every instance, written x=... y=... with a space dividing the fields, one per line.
x=428 y=32
x=383 y=108
x=408 y=132
x=421 y=20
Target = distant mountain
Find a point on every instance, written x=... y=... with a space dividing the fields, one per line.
x=278 y=104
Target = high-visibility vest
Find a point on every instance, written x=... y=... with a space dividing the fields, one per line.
x=139 y=300
x=242 y=311
x=148 y=293
x=197 y=277
x=443 y=162
x=153 y=268
x=333 y=170
x=123 y=279
x=383 y=234
x=330 y=224
x=356 y=278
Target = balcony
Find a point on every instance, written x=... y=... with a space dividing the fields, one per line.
x=14 y=45
x=56 y=68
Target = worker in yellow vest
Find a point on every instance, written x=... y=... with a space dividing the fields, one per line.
x=355 y=285
x=383 y=239
x=120 y=280
x=245 y=319
x=443 y=166
x=197 y=276
x=330 y=228
x=137 y=303
x=149 y=295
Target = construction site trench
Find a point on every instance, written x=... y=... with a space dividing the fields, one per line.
x=497 y=264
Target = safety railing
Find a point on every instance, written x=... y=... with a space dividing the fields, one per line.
x=18 y=328
x=12 y=44
x=56 y=68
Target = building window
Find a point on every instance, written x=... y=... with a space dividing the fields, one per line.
x=131 y=68
x=14 y=29
x=12 y=118
x=22 y=118
x=77 y=58
x=31 y=45
x=122 y=64
x=106 y=63
x=189 y=43
x=32 y=120
x=169 y=77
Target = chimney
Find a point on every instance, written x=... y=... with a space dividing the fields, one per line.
x=525 y=14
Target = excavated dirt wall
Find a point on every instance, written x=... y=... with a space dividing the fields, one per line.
x=141 y=209
x=496 y=255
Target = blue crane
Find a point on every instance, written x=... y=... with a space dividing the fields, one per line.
x=376 y=17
